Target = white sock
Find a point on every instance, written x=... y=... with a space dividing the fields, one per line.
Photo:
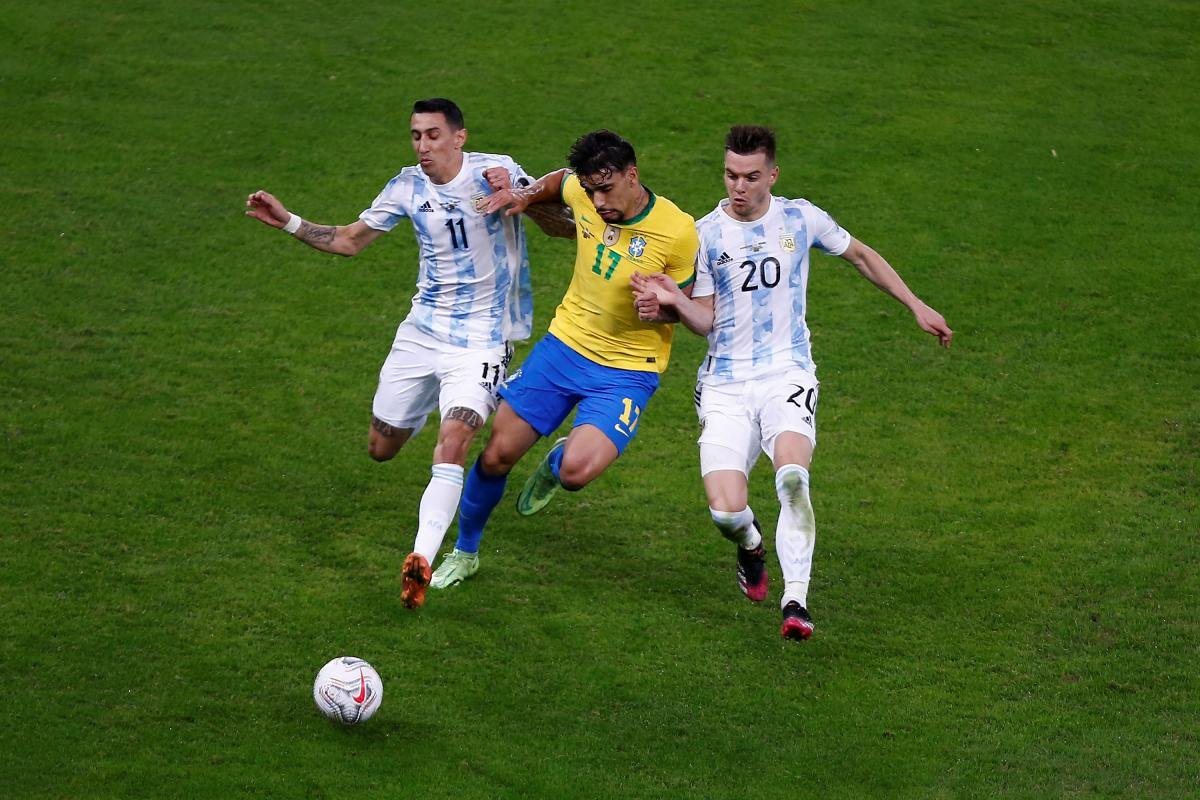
x=796 y=534
x=438 y=505
x=737 y=526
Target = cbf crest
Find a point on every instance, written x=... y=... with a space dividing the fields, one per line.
x=637 y=246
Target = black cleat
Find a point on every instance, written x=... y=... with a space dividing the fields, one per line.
x=797 y=624
x=752 y=572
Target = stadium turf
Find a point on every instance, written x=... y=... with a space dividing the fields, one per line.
x=1006 y=571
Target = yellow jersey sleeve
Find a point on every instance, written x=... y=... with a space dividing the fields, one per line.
x=597 y=317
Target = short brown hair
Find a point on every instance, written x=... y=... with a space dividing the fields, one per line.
x=749 y=139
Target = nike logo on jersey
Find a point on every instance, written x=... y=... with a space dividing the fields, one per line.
x=362 y=688
x=426 y=207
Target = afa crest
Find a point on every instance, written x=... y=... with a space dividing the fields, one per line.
x=788 y=242
x=637 y=246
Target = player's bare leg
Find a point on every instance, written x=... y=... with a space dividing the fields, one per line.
x=512 y=437
x=586 y=454
x=727 y=503
x=796 y=534
x=572 y=463
x=384 y=440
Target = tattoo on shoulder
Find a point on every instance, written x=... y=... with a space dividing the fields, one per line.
x=467 y=416
x=317 y=233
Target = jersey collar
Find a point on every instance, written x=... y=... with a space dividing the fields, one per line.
x=723 y=206
x=645 y=211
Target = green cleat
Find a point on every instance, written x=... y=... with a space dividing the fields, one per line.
x=541 y=485
x=456 y=567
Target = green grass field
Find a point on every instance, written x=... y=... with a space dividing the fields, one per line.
x=1006 y=579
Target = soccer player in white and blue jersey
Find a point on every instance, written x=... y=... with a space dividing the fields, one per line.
x=473 y=299
x=757 y=386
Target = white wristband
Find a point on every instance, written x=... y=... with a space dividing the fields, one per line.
x=293 y=224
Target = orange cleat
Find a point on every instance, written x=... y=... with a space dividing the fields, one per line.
x=414 y=580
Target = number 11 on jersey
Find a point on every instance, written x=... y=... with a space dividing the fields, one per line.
x=460 y=234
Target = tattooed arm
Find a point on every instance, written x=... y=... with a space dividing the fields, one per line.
x=343 y=240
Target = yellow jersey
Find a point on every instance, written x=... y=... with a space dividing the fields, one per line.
x=597 y=317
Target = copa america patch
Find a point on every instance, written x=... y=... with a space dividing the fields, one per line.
x=611 y=235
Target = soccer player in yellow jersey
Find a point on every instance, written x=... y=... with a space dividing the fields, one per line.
x=598 y=357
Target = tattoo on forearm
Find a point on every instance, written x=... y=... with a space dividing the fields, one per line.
x=467 y=416
x=316 y=234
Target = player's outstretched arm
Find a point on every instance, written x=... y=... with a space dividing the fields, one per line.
x=878 y=271
x=342 y=240
x=659 y=299
x=516 y=200
x=552 y=216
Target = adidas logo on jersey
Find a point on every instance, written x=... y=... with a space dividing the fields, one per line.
x=426 y=206
x=723 y=259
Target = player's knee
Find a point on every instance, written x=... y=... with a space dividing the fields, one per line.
x=385 y=440
x=452 y=448
x=381 y=450
x=495 y=462
x=574 y=475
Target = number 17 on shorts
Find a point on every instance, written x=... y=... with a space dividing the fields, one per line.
x=628 y=420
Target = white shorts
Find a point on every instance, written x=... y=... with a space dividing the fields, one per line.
x=737 y=420
x=422 y=373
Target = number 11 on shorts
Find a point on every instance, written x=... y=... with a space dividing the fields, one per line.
x=629 y=418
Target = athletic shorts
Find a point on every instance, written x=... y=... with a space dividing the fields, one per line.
x=422 y=373
x=737 y=420
x=554 y=379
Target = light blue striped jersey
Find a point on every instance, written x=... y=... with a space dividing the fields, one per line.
x=758 y=272
x=473 y=287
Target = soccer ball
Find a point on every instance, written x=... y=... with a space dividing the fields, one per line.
x=348 y=690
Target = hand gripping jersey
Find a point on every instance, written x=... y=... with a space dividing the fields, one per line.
x=759 y=274
x=597 y=317
x=473 y=287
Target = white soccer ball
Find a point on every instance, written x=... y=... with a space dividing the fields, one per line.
x=348 y=690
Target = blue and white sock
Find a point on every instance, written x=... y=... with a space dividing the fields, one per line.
x=438 y=504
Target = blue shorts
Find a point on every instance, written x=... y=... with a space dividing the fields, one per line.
x=554 y=379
